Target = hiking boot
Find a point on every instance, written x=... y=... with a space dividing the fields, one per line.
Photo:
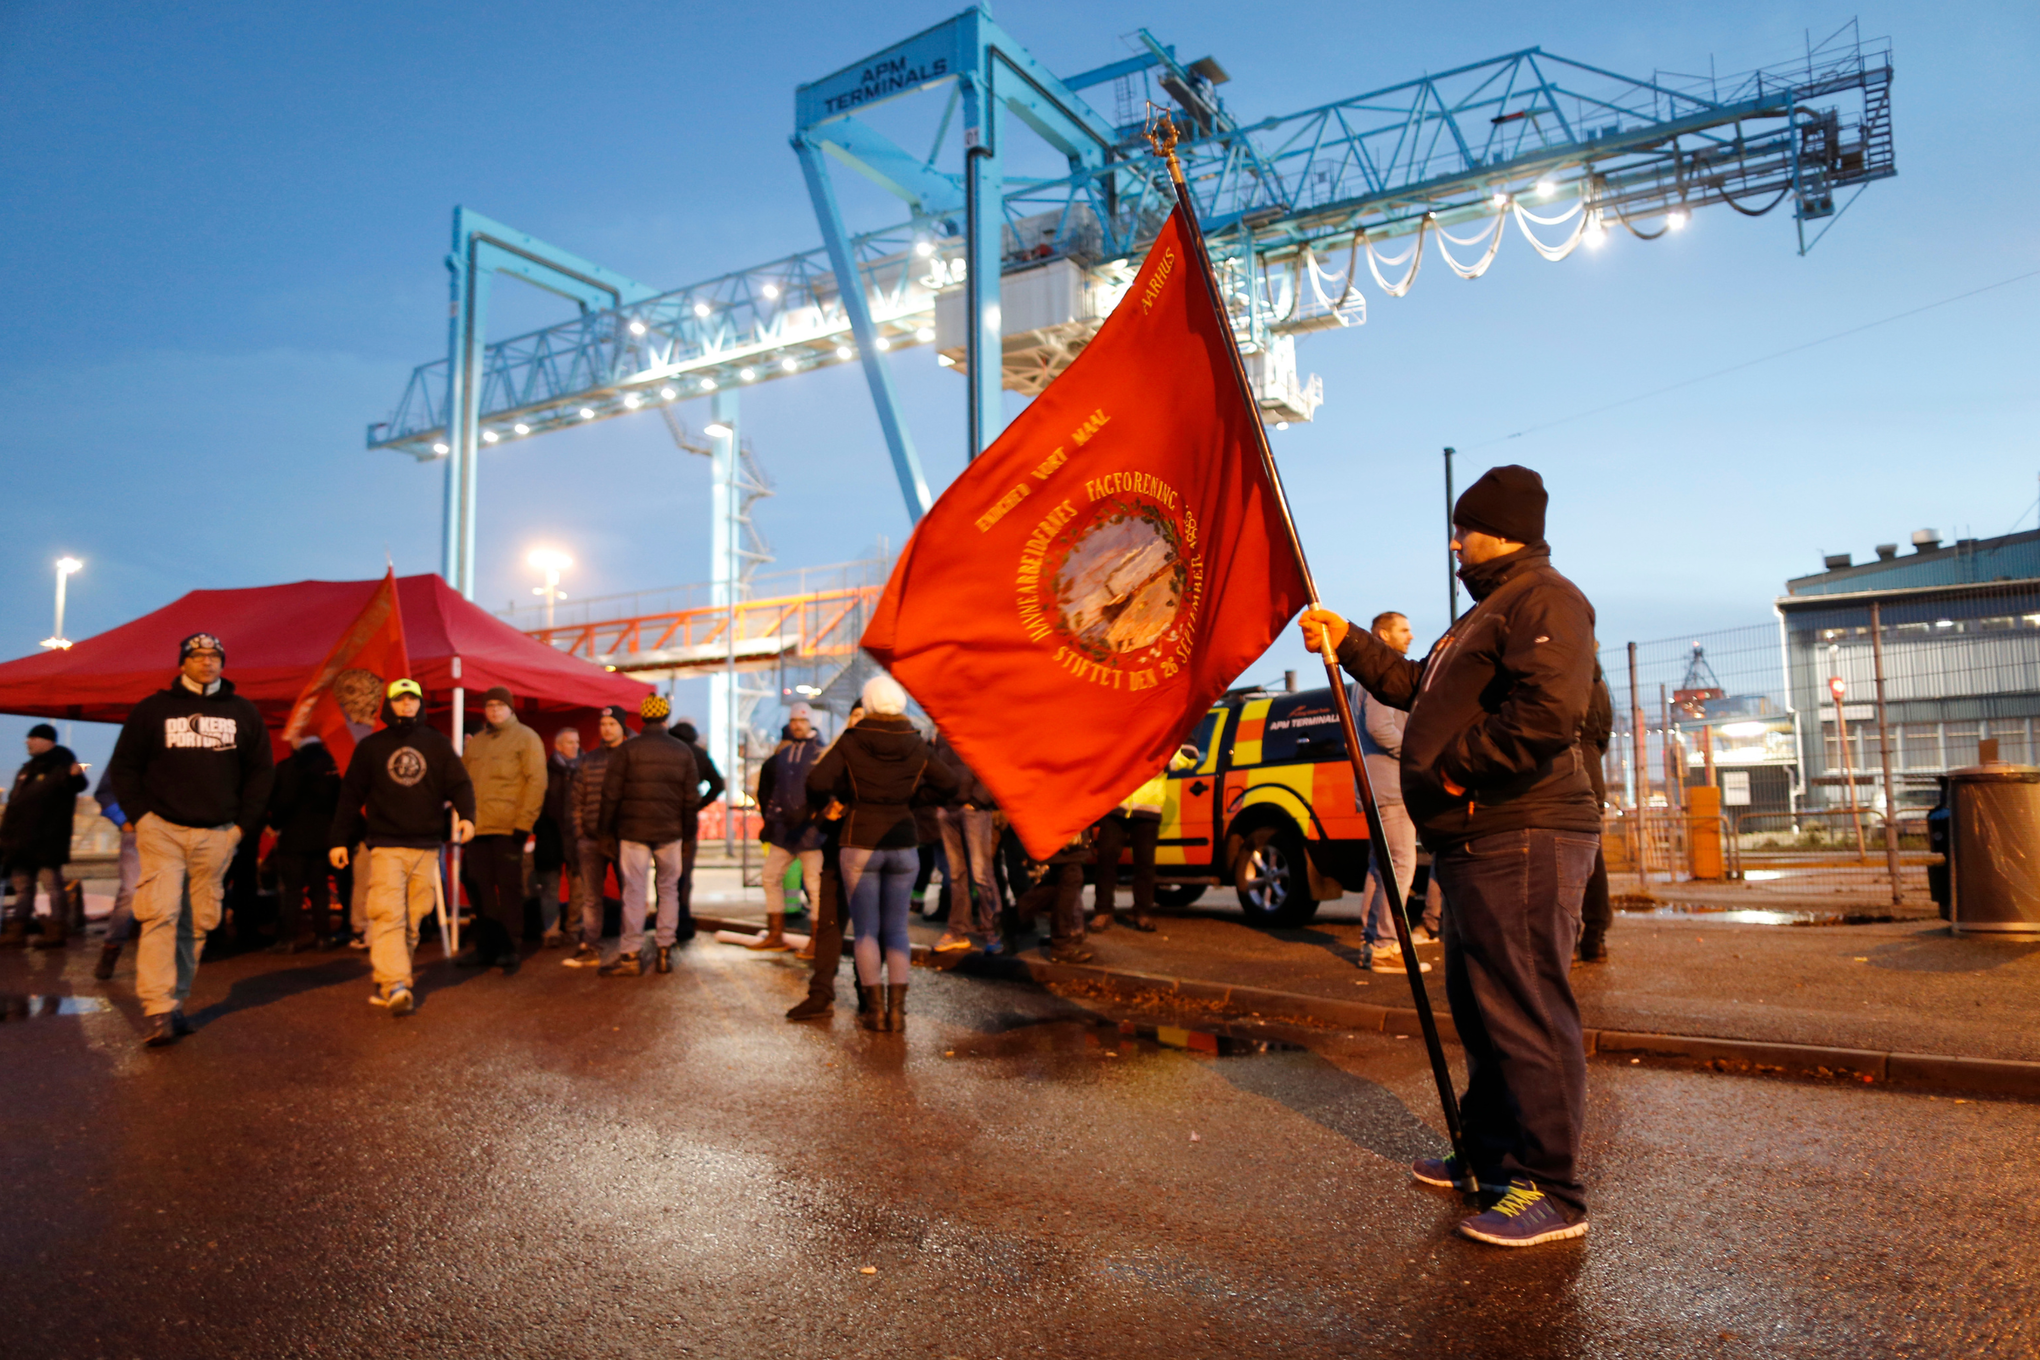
x=770 y=944
x=662 y=959
x=1144 y=924
x=870 y=1007
x=953 y=943
x=1523 y=1217
x=1101 y=922
x=399 y=1001
x=623 y=965
x=163 y=1031
x=896 y=1008
x=108 y=956
x=1593 y=949
x=587 y=956
x=1070 y=953
x=178 y=1023
x=814 y=1006
x=806 y=953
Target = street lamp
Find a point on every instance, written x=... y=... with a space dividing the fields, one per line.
x=56 y=641
x=551 y=562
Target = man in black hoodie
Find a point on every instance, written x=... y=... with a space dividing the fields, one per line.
x=301 y=811
x=1494 y=777
x=648 y=791
x=192 y=771
x=404 y=777
x=35 y=835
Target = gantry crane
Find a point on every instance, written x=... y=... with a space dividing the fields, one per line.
x=989 y=263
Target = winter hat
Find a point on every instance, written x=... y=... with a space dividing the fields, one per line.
x=1507 y=502
x=800 y=711
x=621 y=714
x=499 y=695
x=200 y=642
x=654 y=708
x=43 y=730
x=883 y=695
x=685 y=731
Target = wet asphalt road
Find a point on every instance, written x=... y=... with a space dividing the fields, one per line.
x=560 y=1165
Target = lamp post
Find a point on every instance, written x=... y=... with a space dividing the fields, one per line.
x=552 y=563
x=56 y=641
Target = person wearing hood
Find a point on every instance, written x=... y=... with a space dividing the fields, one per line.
x=879 y=771
x=789 y=832
x=592 y=853
x=647 y=791
x=506 y=761
x=400 y=782
x=711 y=787
x=553 y=837
x=1495 y=778
x=191 y=772
x=301 y=811
x=35 y=836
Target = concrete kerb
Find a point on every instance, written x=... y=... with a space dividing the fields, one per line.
x=1991 y=1076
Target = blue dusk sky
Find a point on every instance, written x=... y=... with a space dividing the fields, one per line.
x=225 y=225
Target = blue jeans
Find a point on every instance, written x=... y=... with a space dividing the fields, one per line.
x=969 y=840
x=639 y=866
x=1512 y=917
x=880 y=887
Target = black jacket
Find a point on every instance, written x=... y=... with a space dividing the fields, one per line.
x=555 y=828
x=405 y=774
x=1497 y=706
x=194 y=759
x=301 y=808
x=1597 y=730
x=584 y=793
x=35 y=832
x=685 y=734
x=649 y=789
x=881 y=770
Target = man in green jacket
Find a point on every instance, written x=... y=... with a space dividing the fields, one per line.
x=506 y=761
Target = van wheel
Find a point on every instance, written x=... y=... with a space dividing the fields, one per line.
x=1176 y=896
x=1272 y=879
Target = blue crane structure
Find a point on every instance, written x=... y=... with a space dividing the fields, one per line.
x=1472 y=147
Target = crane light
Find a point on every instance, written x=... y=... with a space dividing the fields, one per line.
x=708 y=384
x=701 y=310
x=924 y=248
x=1546 y=188
x=925 y=334
x=631 y=401
x=668 y=393
x=66 y=566
x=1500 y=199
x=790 y=364
x=587 y=413
x=843 y=351
x=1677 y=218
x=637 y=328
x=489 y=436
x=719 y=430
x=747 y=373
x=521 y=428
x=771 y=290
x=883 y=344
x=439 y=448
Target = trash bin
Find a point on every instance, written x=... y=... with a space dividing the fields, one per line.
x=1993 y=832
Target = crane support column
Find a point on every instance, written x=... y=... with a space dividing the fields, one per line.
x=984 y=238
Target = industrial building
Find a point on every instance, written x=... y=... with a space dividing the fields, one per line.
x=1958 y=626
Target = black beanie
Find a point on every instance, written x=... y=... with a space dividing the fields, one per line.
x=1507 y=502
x=620 y=713
x=43 y=730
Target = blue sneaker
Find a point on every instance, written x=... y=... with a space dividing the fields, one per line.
x=1445 y=1171
x=1523 y=1217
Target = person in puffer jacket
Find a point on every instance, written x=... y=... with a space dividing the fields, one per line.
x=1495 y=778
x=649 y=792
x=879 y=771
x=592 y=854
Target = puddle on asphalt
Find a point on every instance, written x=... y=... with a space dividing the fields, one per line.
x=1758 y=916
x=29 y=1006
x=1124 y=1038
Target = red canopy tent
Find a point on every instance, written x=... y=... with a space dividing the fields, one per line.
x=276 y=636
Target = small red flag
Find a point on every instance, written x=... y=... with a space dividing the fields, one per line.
x=342 y=701
x=1082 y=593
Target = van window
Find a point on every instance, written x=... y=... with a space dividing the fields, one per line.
x=1201 y=738
x=1302 y=727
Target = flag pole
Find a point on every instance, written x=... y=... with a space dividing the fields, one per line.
x=1162 y=136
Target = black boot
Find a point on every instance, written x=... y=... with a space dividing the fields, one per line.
x=896 y=1008
x=870 y=1007
x=817 y=1005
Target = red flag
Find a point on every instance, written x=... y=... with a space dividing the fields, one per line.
x=1081 y=594
x=342 y=701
